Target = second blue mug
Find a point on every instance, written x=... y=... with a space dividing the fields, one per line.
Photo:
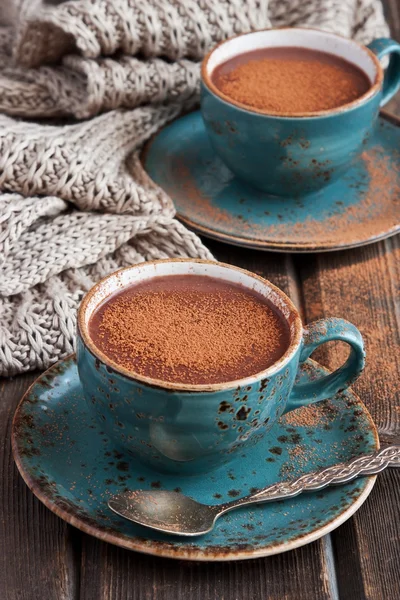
x=296 y=154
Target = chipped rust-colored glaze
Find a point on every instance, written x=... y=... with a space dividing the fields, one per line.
x=243 y=413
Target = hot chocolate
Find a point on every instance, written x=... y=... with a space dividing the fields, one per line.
x=190 y=329
x=290 y=80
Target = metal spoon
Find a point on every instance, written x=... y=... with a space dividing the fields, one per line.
x=172 y=512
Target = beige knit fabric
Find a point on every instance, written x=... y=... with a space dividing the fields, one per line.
x=84 y=163
x=170 y=28
x=75 y=203
x=84 y=35
x=51 y=252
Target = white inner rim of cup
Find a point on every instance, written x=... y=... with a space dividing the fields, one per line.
x=299 y=38
x=138 y=273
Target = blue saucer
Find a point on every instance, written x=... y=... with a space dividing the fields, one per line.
x=72 y=467
x=363 y=207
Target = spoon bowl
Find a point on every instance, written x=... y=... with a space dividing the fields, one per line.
x=169 y=512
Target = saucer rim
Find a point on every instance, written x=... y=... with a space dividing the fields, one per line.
x=165 y=549
x=270 y=245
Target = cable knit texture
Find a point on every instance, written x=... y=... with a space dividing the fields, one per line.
x=75 y=203
x=94 y=44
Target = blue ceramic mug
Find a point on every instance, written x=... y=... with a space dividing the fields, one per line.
x=192 y=428
x=296 y=154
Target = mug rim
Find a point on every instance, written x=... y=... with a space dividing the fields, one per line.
x=295 y=338
x=372 y=90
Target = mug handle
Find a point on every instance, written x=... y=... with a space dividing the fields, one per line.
x=391 y=83
x=315 y=334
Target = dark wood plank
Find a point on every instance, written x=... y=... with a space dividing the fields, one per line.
x=363 y=286
x=110 y=573
x=37 y=550
x=392 y=13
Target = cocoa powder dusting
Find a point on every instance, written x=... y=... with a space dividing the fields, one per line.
x=190 y=329
x=376 y=212
x=290 y=80
x=313 y=452
x=306 y=416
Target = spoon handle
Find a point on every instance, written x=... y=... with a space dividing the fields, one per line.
x=368 y=464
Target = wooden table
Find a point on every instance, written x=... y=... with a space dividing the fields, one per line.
x=43 y=558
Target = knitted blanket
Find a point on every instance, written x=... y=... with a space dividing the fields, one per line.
x=75 y=203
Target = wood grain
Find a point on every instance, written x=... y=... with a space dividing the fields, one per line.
x=392 y=13
x=363 y=285
x=37 y=550
x=110 y=573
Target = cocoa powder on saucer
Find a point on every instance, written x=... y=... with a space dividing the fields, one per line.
x=376 y=212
